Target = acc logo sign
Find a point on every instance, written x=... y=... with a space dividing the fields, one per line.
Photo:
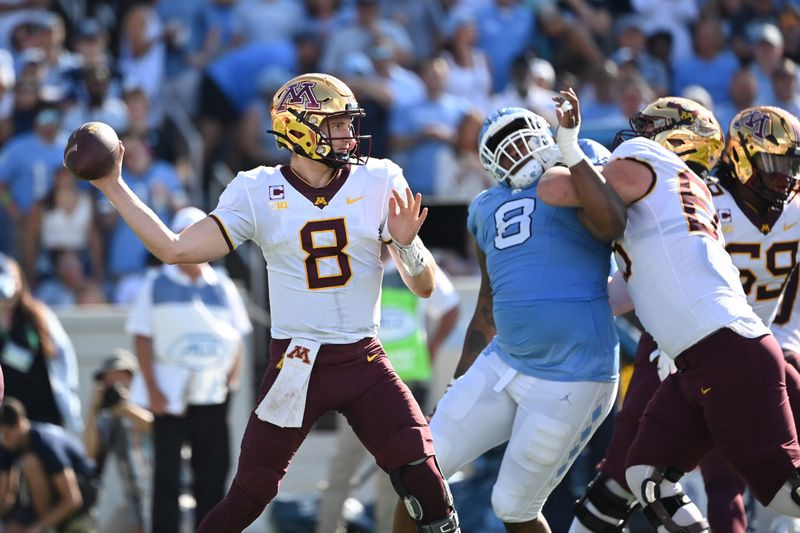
x=299 y=94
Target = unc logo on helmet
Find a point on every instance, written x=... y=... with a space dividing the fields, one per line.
x=300 y=94
x=302 y=111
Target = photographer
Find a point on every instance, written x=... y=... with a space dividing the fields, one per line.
x=115 y=426
x=37 y=356
x=47 y=481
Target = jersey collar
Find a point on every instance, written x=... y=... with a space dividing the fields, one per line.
x=763 y=223
x=319 y=197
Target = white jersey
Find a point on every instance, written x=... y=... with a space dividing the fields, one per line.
x=681 y=280
x=764 y=250
x=322 y=246
x=786 y=326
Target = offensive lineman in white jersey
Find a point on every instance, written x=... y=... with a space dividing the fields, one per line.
x=320 y=222
x=731 y=388
x=759 y=221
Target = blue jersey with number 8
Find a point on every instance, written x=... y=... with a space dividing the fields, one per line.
x=549 y=281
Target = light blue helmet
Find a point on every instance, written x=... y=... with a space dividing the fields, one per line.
x=595 y=152
x=516 y=146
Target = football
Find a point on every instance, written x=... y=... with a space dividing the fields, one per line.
x=92 y=150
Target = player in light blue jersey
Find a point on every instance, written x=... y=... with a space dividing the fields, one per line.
x=539 y=366
x=548 y=278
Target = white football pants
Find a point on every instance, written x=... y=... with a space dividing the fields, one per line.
x=547 y=423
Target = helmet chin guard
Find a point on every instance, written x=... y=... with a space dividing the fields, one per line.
x=527 y=175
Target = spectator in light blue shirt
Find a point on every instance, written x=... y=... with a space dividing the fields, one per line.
x=505 y=31
x=361 y=34
x=784 y=86
x=266 y=20
x=28 y=161
x=743 y=92
x=227 y=87
x=27 y=165
x=157 y=184
x=767 y=54
x=419 y=131
x=211 y=32
x=710 y=66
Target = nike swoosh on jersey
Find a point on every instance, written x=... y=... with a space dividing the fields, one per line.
x=370 y=358
x=787 y=227
x=354 y=200
x=705 y=390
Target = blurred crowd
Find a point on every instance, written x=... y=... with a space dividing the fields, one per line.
x=426 y=71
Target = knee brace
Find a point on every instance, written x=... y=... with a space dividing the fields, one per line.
x=426 y=495
x=665 y=503
x=603 y=509
x=787 y=500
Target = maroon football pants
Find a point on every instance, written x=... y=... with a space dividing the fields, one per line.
x=354 y=379
x=731 y=392
x=724 y=488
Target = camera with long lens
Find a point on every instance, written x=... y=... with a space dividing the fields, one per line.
x=112 y=395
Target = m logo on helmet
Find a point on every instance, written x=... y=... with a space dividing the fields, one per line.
x=299 y=94
x=757 y=122
x=683 y=112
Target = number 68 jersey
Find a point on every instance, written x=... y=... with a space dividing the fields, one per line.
x=672 y=255
x=322 y=246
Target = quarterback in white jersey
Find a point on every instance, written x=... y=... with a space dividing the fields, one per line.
x=687 y=294
x=321 y=222
x=322 y=246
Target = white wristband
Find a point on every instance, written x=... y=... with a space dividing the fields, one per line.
x=567 y=139
x=412 y=260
